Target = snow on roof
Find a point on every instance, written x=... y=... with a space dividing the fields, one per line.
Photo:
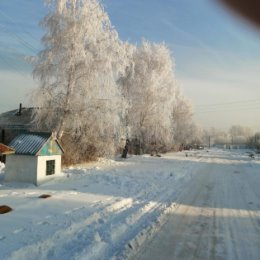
x=4 y=149
x=11 y=119
x=29 y=143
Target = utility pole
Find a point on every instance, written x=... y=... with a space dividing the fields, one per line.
x=209 y=141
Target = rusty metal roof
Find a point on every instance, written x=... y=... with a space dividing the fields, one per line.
x=29 y=143
x=4 y=149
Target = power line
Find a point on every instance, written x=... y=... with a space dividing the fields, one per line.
x=229 y=106
x=12 y=62
x=230 y=103
x=228 y=109
x=15 y=23
x=20 y=39
x=12 y=66
x=13 y=59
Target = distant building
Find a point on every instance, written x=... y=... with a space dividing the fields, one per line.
x=238 y=142
x=221 y=145
x=15 y=122
x=37 y=158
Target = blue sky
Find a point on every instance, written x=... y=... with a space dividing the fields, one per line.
x=217 y=55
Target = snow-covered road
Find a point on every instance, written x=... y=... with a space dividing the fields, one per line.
x=202 y=206
x=218 y=215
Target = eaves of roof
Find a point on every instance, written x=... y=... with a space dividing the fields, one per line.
x=4 y=149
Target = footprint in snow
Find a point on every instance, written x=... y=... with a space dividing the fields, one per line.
x=2 y=238
x=73 y=210
x=18 y=231
x=43 y=223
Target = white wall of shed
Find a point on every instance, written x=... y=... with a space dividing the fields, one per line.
x=21 y=168
x=41 y=168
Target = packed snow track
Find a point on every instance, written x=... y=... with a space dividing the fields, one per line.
x=218 y=215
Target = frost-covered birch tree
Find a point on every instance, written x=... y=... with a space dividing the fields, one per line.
x=149 y=86
x=77 y=73
x=182 y=123
x=240 y=134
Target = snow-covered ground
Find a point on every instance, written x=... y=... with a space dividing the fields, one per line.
x=103 y=210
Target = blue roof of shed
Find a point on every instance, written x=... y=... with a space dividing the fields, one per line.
x=29 y=143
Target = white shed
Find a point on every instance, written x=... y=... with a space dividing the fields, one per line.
x=37 y=158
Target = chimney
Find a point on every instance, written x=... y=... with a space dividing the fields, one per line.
x=20 y=110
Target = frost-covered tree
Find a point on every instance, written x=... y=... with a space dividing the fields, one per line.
x=149 y=87
x=213 y=136
x=195 y=136
x=182 y=124
x=240 y=134
x=240 y=131
x=77 y=73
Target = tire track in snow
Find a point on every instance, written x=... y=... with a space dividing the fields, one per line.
x=44 y=249
x=116 y=224
x=49 y=244
x=128 y=215
x=231 y=234
x=146 y=228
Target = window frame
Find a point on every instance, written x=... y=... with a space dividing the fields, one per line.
x=50 y=167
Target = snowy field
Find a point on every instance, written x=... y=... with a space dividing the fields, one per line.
x=103 y=210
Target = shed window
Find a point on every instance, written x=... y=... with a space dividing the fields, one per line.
x=50 y=167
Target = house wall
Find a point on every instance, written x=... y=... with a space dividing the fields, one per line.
x=21 y=168
x=31 y=169
x=41 y=177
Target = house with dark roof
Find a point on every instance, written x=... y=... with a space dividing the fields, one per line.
x=36 y=158
x=15 y=122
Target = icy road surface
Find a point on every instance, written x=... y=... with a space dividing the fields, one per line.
x=218 y=215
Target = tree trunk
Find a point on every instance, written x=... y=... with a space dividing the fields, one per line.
x=66 y=108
